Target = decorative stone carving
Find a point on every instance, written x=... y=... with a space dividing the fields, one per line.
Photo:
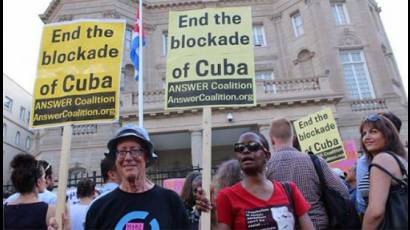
x=349 y=39
x=50 y=9
x=276 y=17
x=304 y=55
x=386 y=51
x=308 y=2
x=111 y=14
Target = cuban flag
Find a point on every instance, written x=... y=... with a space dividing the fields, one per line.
x=137 y=33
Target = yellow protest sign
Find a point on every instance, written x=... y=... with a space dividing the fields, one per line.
x=78 y=73
x=318 y=133
x=210 y=60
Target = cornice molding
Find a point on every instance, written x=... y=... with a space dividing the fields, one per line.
x=45 y=17
x=49 y=11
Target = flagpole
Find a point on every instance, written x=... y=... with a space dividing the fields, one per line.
x=140 y=72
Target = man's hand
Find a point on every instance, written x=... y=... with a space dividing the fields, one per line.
x=65 y=219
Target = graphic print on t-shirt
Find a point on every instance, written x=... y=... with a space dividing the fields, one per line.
x=269 y=218
x=137 y=220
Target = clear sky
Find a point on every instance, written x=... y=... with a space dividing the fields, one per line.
x=22 y=33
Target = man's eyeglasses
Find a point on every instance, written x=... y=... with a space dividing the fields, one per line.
x=133 y=152
x=251 y=146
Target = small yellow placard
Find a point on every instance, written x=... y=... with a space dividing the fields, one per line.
x=319 y=134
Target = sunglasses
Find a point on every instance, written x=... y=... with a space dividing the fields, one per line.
x=374 y=117
x=251 y=146
x=48 y=166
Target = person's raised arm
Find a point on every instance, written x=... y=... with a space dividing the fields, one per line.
x=305 y=222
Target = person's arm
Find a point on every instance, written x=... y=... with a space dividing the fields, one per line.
x=52 y=221
x=379 y=190
x=222 y=226
x=302 y=208
x=305 y=222
x=51 y=212
x=334 y=181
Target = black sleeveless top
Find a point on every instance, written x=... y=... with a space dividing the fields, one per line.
x=25 y=216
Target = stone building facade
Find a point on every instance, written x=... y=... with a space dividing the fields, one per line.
x=309 y=54
x=17 y=137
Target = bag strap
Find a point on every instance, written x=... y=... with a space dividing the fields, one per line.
x=288 y=191
x=289 y=194
x=318 y=169
x=402 y=168
x=400 y=181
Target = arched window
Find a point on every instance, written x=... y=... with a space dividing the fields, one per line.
x=17 y=140
x=28 y=143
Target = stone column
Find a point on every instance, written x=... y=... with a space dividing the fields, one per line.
x=196 y=148
x=264 y=130
x=283 y=52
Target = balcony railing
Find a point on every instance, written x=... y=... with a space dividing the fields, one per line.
x=368 y=104
x=266 y=90
x=291 y=86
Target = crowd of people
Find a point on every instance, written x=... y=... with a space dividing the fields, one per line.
x=262 y=188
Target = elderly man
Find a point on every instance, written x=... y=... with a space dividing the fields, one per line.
x=137 y=203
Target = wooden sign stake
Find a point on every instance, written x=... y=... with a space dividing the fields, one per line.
x=63 y=173
x=206 y=162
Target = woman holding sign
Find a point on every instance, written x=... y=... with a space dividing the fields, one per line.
x=388 y=175
x=256 y=202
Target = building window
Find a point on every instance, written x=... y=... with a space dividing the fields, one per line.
x=8 y=104
x=340 y=13
x=264 y=76
x=28 y=143
x=357 y=78
x=128 y=38
x=28 y=117
x=297 y=23
x=17 y=140
x=164 y=43
x=22 y=115
x=258 y=36
x=4 y=130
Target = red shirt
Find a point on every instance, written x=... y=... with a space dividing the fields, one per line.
x=239 y=209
